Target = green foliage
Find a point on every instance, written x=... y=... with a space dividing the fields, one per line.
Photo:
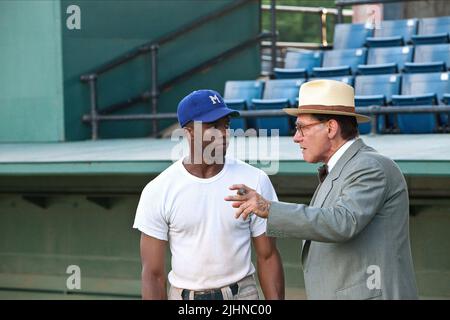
x=300 y=27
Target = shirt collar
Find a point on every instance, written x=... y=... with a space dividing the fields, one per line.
x=338 y=154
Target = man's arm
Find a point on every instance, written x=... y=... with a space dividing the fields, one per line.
x=360 y=199
x=270 y=269
x=153 y=270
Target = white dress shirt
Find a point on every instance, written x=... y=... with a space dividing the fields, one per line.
x=338 y=154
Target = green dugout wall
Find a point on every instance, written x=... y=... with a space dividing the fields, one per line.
x=43 y=57
x=31 y=85
x=74 y=204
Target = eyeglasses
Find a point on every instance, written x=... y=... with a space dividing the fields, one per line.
x=300 y=128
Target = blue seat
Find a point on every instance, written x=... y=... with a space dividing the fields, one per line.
x=393 y=33
x=446 y=98
x=351 y=35
x=446 y=101
x=430 y=58
x=377 y=90
x=387 y=60
x=299 y=64
x=341 y=62
x=416 y=123
x=238 y=95
x=432 y=31
x=278 y=94
x=425 y=89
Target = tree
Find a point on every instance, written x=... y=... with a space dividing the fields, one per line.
x=300 y=27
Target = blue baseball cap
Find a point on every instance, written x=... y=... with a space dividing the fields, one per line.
x=203 y=105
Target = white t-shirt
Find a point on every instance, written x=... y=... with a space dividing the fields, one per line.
x=210 y=247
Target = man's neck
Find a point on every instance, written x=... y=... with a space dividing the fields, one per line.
x=202 y=170
x=335 y=146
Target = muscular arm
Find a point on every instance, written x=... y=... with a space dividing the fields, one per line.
x=153 y=271
x=270 y=269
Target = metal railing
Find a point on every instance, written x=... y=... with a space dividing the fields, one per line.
x=321 y=12
x=277 y=48
x=372 y=111
x=96 y=115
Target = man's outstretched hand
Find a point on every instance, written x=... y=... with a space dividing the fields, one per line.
x=248 y=201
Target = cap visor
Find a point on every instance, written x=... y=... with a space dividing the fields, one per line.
x=216 y=114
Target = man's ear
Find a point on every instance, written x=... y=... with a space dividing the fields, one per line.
x=188 y=132
x=333 y=128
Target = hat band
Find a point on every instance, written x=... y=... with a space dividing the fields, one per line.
x=328 y=108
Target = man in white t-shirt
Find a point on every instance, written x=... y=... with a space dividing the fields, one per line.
x=185 y=207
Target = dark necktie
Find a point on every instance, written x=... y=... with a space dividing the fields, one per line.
x=323 y=172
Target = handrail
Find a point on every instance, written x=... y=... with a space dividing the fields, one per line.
x=300 y=9
x=145 y=96
x=373 y=111
x=145 y=48
x=369 y=110
x=320 y=11
x=299 y=45
x=216 y=59
x=152 y=48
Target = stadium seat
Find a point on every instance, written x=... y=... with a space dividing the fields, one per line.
x=387 y=60
x=430 y=58
x=446 y=101
x=424 y=89
x=377 y=90
x=416 y=123
x=446 y=98
x=432 y=31
x=278 y=94
x=299 y=64
x=393 y=33
x=238 y=95
x=341 y=62
x=351 y=35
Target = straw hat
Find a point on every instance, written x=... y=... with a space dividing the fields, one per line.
x=326 y=97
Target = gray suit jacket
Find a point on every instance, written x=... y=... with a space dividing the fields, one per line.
x=356 y=230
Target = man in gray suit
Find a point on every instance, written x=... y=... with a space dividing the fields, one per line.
x=356 y=228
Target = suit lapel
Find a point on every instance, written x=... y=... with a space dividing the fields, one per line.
x=327 y=184
x=322 y=194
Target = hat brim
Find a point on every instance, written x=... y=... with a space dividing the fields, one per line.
x=295 y=112
x=216 y=114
